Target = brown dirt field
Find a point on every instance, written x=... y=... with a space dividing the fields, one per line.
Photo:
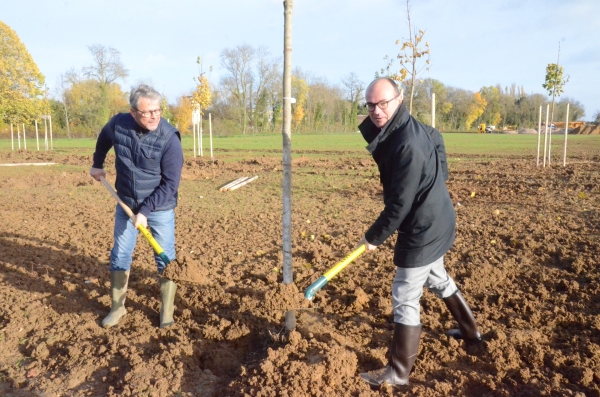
x=525 y=259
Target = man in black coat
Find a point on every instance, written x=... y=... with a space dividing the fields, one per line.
x=412 y=164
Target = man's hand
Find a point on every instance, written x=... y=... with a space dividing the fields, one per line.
x=140 y=220
x=370 y=247
x=97 y=173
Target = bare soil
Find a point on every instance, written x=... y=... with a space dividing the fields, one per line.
x=525 y=259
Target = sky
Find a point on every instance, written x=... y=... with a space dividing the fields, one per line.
x=473 y=43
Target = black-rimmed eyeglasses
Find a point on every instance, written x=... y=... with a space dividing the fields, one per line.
x=381 y=105
x=156 y=112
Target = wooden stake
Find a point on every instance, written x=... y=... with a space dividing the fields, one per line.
x=37 y=136
x=546 y=134
x=210 y=134
x=51 y=141
x=242 y=183
x=537 y=162
x=433 y=109
x=24 y=137
x=566 y=133
x=243 y=178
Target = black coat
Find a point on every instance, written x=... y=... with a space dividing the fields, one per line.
x=413 y=170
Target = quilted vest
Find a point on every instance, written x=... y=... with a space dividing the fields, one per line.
x=138 y=156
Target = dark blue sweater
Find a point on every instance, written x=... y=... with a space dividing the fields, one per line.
x=163 y=194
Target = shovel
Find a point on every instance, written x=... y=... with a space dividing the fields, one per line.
x=310 y=292
x=157 y=248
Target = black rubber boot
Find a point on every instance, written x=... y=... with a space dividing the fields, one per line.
x=403 y=353
x=118 y=290
x=167 y=295
x=464 y=317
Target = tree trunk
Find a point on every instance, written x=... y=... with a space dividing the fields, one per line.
x=67 y=119
x=288 y=276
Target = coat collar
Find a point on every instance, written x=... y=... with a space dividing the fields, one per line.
x=374 y=135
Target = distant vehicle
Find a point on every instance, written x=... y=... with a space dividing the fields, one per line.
x=480 y=128
x=490 y=128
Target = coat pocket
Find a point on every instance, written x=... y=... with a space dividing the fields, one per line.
x=150 y=158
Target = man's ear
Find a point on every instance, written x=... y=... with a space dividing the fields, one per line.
x=132 y=112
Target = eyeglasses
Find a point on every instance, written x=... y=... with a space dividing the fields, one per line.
x=149 y=113
x=382 y=105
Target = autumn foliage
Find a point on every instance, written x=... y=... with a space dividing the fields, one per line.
x=21 y=83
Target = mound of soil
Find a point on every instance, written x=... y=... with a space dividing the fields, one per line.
x=588 y=129
x=528 y=131
x=525 y=258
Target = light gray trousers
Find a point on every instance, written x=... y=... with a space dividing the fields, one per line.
x=407 y=290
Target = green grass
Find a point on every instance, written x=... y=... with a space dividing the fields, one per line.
x=492 y=145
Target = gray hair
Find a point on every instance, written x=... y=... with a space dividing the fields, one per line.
x=145 y=91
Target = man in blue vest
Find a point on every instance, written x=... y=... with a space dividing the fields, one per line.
x=413 y=171
x=148 y=162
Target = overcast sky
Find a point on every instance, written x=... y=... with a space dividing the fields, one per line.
x=473 y=43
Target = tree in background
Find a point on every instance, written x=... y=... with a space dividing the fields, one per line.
x=166 y=110
x=354 y=93
x=300 y=92
x=596 y=118
x=251 y=88
x=422 y=102
x=576 y=109
x=85 y=104
x=238 y=63
x=492 y=112
x=21 y=83
x=106 y=70
x=182 y=113
x=476 y=109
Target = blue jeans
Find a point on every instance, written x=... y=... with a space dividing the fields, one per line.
x=162 y=227
x=407 y=289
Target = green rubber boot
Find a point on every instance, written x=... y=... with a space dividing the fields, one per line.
x=167 y=295
x=118 y=289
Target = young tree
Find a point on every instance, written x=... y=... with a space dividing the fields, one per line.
x=596 y=118
x=410 y=54
x=555 y=81
x=288 y=275
x=201 y=97
x=21 y=83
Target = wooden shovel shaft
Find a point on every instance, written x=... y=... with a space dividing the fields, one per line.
x=155 y=246
x=116 y=196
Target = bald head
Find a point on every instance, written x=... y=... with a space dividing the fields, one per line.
x=383 y=80
x=383 y=97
